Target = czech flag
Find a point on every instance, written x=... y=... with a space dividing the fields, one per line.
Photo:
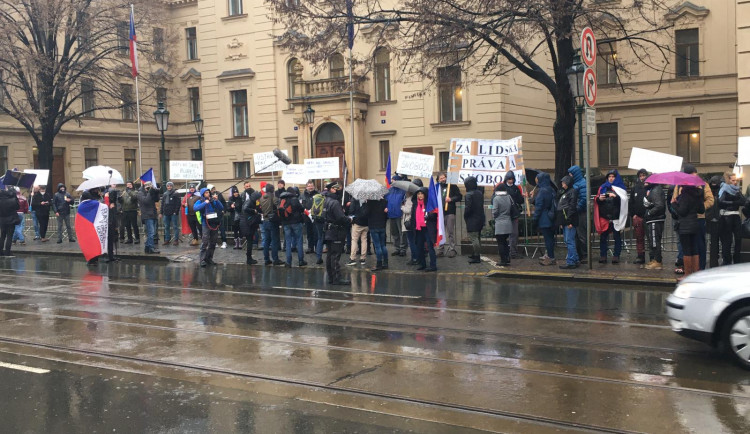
x=133 y=45
x=388 y=172
x=149 y=177
x=91 y=228
x=433 y=205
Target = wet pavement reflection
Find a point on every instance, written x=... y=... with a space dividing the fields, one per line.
x=508 y=352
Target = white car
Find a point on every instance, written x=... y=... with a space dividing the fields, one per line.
x=713 y=306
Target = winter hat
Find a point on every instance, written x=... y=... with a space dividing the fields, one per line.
x=210 y=187
x=418 y=182
x=333 y=184
x=170 y=184
x=568 y=180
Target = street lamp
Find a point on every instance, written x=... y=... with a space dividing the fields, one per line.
x=161 y=115
x=575 y=78
x=198 y=122
x=309 y=114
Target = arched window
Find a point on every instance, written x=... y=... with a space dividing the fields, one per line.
x=291 y=75
x=382 y=74
x=336 y=65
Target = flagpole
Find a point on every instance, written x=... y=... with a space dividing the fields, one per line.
x=137 y=103
x=351 y=115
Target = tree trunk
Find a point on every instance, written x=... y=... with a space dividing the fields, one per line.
x=565 y=120
x=46 y=156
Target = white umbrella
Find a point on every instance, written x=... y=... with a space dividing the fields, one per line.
x=104 y=172
x=366 y=189
x=93 y=183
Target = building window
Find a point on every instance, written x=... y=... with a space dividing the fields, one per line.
x=336 y=65
x=90 y=157
x=605 y=63
x=295 y=154
x=235 y=7
x=196 y=154
x=291 y=76
x=606 y=139
x=126 y=99
x=130 y=167
x=689 y=139
x=385 y=151
x=686 y=53
x=450 y=94
x=87 y=97
x=242 y=170
x=443 y=160
x=84 y=27
x=3 y=159
x=239 y=113
x=191 y=36
x=161 y=95
x=123 y=38
x=158 y=44
x=382 y=74
x=195 y=102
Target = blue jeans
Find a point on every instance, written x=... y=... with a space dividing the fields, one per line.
x=18 y=234
x=150 y=232
x=569 y=235
x=603 y=238
x=293 y=237
x=36 y=224
x=378 y=242
x=170 y=221
x=270 y=240
x=319 y=227
x=549 y=241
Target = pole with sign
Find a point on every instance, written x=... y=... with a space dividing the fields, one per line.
x=588 y=55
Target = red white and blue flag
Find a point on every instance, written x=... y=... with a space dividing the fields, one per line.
x=133 y=45
x=388 y=172
x=149 y=177
x=91 y=228
x=433 y=205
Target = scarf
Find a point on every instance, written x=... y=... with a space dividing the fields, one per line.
x=733 y=190
x=420 y=215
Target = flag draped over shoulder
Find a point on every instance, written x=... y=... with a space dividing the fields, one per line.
x=433 y=205
x=388 y=172
x=133 y=45
x=91 y=228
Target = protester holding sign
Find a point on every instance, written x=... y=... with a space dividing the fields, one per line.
x=450 y=195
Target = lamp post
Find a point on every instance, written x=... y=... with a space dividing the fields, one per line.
x=575 y=78
x=161 y=115
x=198 y=122
x=309 y=114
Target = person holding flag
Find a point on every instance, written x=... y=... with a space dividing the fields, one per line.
x=425 y=210
x=611 y=214
x=147 y=198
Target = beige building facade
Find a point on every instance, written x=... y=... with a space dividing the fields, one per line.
x=252 y=95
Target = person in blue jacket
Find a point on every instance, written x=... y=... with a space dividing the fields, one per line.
x=579 y=184
x=211 y=211
x=395 y=198
x=544 y=215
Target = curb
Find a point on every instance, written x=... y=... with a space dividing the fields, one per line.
x=144 y=257
x=623 y=280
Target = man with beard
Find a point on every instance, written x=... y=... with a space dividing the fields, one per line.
x=337 y=228
x=130 y=215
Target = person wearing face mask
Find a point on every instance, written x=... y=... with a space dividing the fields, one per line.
x=147 y=198
x=170 y=209
x=130 y=215
x=516 y=193
x=61 y=205
x=234 y=204
x=450 y=195
x=41 y=203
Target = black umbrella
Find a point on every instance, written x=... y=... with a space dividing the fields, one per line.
x=531 y=178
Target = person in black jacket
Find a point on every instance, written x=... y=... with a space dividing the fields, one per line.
x=249 y=220
x=638 y=212
x=687 y=206
x=234 y=204
x=291 y=219
x=170 y=213
x=474 y=217
x=730 y=202
x=377 y=216
x=567 y=217
x=450 y=195
x=9 y=207
x=307 y=202
x=337 y=228
x=425 y=229
x=712 y=222
x=656 y=214
x=516 y=193
x=41 y=203
x=147 y=198
x=61 y=202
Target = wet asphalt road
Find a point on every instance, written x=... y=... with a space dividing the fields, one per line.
x=174 y=348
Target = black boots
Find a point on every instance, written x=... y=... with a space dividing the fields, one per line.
x=474 y=259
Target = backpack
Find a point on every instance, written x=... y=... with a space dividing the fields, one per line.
x=285 y=209
x=317 y=210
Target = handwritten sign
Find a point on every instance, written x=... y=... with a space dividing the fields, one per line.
x=295 y=174
x=420 y=165
x=485 y=159
x=322 y=168
x=654 y=162
x=266 y=162
x=189 y=170
x=743 y=151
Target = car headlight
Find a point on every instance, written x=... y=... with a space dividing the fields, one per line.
x=684 y=290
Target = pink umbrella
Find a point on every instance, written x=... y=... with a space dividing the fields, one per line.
x=675 y=178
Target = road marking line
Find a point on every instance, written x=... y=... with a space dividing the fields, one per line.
x=24 y=368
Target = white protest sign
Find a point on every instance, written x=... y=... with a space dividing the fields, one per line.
x=266 y=162
x=485 y=159
x=295 y=174
x=42 y=176
x=322 y=168
x=188 y=170
x=743 y=151
x=420 y=165
x=654 y=162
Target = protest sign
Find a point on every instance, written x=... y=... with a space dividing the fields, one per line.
x=188 y=170
x=295 y=174
x=485 y=159
x=322 y=168
x=654 y=162
x=262 y=160
x=420 y=165
x=743 y=151
x=42 y=176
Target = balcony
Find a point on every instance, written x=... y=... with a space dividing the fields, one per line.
x=330 y=89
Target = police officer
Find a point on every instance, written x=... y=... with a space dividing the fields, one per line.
x=337 y=227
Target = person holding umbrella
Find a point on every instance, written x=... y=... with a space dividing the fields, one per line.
x=687 y=205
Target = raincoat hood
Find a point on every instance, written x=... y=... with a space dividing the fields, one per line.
x=501 y=187
x=543 y=180
x=576 y=172
x=234 y=189
x=567 y=180
x=617 y=182
x=471 y=183
x=509 y=175
x=61 y=185
x=203 y=190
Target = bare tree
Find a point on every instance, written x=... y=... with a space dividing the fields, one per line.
x=491 y=37
x=65 y=60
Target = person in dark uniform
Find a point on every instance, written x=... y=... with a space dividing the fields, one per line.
x=337 y=228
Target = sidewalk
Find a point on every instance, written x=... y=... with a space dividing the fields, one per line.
x=527 y=268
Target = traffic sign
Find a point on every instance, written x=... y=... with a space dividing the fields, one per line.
x=588 y=47
x=589 y=87
x=590 y=121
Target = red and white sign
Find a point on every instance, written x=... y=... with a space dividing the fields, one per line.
x=588 y=47
x=589 y=87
